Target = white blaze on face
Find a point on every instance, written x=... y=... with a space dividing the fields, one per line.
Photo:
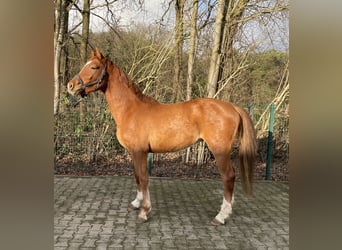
x=85 y=65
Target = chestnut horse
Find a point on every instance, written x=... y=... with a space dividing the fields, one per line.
x=145 y=125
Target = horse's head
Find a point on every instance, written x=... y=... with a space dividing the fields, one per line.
x=91 y=77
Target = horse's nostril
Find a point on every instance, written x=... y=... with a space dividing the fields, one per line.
x=70 y=86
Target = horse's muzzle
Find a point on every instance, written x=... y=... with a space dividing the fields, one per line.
x=70 y=87
x=73 y=90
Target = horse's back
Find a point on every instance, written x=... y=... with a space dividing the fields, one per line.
x=196 y=112
x=171 y=127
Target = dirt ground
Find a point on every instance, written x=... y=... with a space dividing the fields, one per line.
x=122 y=166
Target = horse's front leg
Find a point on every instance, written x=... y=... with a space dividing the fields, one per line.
x=136 y=203
x=142 y=200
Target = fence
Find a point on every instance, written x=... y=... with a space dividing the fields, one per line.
x=87 y=145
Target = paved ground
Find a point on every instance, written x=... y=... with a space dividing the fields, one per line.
x=91 y=213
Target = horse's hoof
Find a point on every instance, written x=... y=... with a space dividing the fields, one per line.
x=141 y=220
x=131 y=207
x=215 y=222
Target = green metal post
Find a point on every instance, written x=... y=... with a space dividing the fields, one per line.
x=270 y=143
x=149 y=163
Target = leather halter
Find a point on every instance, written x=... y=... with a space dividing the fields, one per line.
x=97 y=81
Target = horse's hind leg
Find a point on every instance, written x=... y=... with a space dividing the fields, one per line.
x=142 y=200
x=228 y=179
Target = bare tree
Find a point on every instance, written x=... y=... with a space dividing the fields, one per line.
x=191 y=59
x=280 y=98
x=61 y=14
x=58 y=42
x=84 y=45
x=179 y=7
x=192 y=49
x=215 y=60
x=234 y=14
x=230 y=19
x=85 y=30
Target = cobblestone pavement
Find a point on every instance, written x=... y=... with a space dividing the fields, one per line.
x=91 y=213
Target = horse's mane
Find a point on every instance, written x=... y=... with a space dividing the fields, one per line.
x=130 y=84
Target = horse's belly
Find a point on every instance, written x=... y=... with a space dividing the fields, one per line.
x=168 y=141
x=170 y=147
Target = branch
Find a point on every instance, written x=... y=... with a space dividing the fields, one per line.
x=209 y=11
x=263 y=12
x=104 y=5
x=109 y=25
x=70 y=4
x=242 y=65
x=279 y=98
x=167 y=10
x=233 y=75
x=77 y=8
x=75 y=27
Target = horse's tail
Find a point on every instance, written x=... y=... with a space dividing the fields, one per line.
x=247 y=149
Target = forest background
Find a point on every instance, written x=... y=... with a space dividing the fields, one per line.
x=174 y=50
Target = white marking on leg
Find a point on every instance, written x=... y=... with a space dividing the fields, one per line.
x=138 y=200
x=226 y=210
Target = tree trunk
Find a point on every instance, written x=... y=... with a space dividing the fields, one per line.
x=85 y=30
x=233 y=16
x=179 y=7
x=83 y=46
x=215 y=59
x=191 y=60
x=192 y=46
x=61 y=17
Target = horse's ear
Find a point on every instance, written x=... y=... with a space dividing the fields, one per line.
x=98 y=53
x=92 y=53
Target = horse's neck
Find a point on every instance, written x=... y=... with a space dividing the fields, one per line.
x=120 y=94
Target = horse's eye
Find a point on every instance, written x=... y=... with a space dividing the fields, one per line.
x=95 y=67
